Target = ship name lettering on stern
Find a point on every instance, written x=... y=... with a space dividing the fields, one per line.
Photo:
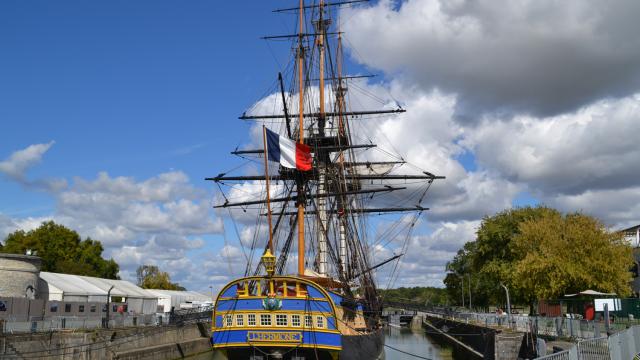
x=273 y=336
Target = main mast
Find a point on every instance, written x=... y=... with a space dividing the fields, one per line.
x=299 y=182
x=342 y=233
x=322 y=179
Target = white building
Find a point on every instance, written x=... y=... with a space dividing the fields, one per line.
x=168 y=299
x=76 y=288
x=632 y=235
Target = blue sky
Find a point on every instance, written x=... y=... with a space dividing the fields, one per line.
x=150 y=91
x=133 y=88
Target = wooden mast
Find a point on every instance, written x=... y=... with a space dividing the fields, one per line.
x=301 y=139
x=266 y=176
x=320 y=160
x=342 y=231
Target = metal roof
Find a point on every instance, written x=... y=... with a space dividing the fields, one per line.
x=631 y=229
x=86 y=285
x=180 y=296
x=591 y=293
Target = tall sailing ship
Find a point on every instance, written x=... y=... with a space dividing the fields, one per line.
x=318 y=190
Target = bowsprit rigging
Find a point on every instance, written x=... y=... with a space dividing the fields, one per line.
x=309 y=209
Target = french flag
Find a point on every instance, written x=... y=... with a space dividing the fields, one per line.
x=288 y=153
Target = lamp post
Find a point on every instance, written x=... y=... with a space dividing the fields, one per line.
x=108 y=300
x=506 y=289
x=469 y=281
x=461 y=287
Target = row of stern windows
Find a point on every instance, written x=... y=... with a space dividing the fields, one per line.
x=269 y=320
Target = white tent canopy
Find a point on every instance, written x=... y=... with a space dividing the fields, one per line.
x=177 y=299
x=591 y=293
x=76 y=288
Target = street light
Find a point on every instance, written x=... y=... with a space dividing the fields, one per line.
x=461 y=287
x=108 y=300
x=469 y=281
x=506 y=289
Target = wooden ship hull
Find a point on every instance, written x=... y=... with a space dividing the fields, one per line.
x=289 y=317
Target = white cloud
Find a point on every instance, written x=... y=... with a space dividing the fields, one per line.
x=154 y=221
x=19 y=162
x=544 y=57
x=618 y=208
x=590 y=149
x=426 y=255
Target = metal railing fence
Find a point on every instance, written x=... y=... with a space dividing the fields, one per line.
x=624 y=345
x=593 y=349
x=571 y=354
x=549 y=326
x=38 y=324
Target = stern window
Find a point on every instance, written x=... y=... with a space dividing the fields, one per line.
x=228 y=320
x=295 y=320
x=265 y=319
x=239 y=320
x=307 y=321
x=251 y=319
x=281 y=320
x=319 y=321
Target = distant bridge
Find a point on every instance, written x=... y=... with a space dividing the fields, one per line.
x=191 y=316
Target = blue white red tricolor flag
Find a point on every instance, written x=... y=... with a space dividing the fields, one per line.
x=288 y=153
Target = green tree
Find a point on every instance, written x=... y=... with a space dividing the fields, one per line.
x=537 y=252
x=424 y=295
x=569 y=254
x=494 y=258
x=150 y=277
x=458 y=268
x=63 y=251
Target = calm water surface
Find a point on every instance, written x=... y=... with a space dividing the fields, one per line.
x=414 y=342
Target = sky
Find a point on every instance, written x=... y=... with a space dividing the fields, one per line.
x=112 y=113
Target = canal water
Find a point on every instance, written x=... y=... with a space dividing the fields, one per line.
x=410 y=341
x=414 y=342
